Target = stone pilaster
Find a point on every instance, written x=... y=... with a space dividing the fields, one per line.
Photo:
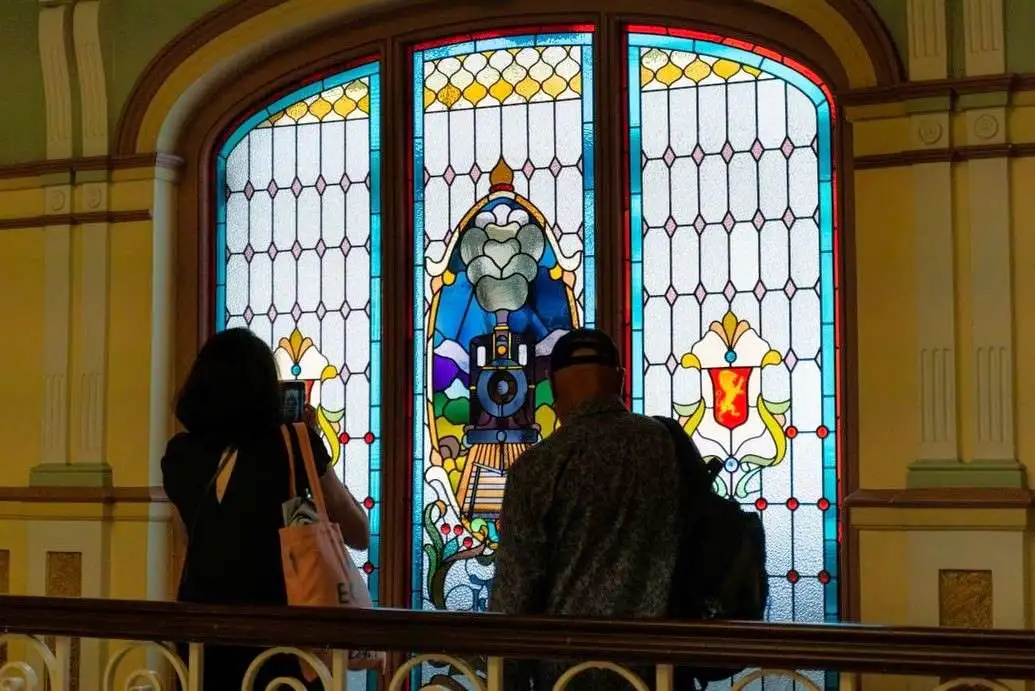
x=931 y=128
x=57 y=231
x=991 y=294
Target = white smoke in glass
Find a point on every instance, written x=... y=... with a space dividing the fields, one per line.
x=501 y=251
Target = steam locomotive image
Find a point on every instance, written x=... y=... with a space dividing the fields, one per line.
x=503 y=423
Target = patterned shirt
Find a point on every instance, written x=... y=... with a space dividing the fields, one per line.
x=589 y=528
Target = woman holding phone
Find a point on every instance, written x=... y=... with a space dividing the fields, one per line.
x=227 y=475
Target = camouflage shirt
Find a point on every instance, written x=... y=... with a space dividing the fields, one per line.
x=589 y=528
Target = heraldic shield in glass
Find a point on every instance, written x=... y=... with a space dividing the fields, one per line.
x=732 y=245
x=503 y=216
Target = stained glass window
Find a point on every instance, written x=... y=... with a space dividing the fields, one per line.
x=732 y=281
x=504 y=264
x=298 y=262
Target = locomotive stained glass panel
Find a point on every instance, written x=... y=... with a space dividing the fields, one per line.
x=504 y=264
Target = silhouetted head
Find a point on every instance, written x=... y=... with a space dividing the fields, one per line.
x=584 y=365
x=231 y=393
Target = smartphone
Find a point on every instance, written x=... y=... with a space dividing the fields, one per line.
x=292 y=401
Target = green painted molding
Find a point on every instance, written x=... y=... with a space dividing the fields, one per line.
x=929 y=104
x=133 y=32
x=70 y=475
x=956 y=28
x=1018 y=23
x=92 y=176
x=23 y=108
x=895 y=17
x=984 y=474
x=990 y=99
x=63 y=177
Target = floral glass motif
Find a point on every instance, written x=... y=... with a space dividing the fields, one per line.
x=732 y=265
x=504 y=264
x=298 y=262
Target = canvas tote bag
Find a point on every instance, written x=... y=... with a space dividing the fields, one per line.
x=318 y=571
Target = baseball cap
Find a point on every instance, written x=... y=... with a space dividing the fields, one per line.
x=584 y=347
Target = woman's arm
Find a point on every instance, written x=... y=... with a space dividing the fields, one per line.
x=343 y=509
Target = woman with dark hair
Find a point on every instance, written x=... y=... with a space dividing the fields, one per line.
x=231 y=410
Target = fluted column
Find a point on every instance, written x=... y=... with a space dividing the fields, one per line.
x=57 y=255
x=935 y=271
x=90 y=365
x=991 y=299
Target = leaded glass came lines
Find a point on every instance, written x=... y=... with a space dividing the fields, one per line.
x=731 y=259
x=298 y=242
x=351 y=101
x=672 y=69
x=503 y=77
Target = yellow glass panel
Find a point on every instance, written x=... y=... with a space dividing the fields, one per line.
x=449 y=95
x=344 y=106
x=725 y=68
x=669 y=74
x=576 y=83
x=646 y=76
x=697 y=70
x=429 y=97
x=320 y=108
x=501 y=90
x=297 y=110
x=753 y=71
x=554 y=86
x=527 y=88
x=475 y=93
x=364 y=104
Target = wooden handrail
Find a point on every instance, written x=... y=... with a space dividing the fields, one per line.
x=1000 y=654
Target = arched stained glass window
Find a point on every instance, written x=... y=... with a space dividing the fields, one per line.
x=730 y=276
x=298 y=262
x=504 y=254
x=733 y=297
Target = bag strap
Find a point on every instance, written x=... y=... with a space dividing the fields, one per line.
x=300 y=432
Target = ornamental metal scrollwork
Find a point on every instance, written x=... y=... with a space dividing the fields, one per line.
x=55 y=666
x=146 y=677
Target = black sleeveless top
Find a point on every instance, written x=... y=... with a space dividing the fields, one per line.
x=233 y=550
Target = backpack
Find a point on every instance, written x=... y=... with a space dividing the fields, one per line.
x=720 y=570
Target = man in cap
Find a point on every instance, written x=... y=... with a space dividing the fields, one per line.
x=590 y=521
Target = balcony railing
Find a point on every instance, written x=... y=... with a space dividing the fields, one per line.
x=47 y=627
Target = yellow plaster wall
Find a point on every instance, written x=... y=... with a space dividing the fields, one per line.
x=885 y=309
x=22 y=257
x=21 y=304
x=1022 y=202
x=884 y=313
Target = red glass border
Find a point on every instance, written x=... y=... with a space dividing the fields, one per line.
x=500 y=33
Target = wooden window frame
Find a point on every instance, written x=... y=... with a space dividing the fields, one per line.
x=387 y=35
